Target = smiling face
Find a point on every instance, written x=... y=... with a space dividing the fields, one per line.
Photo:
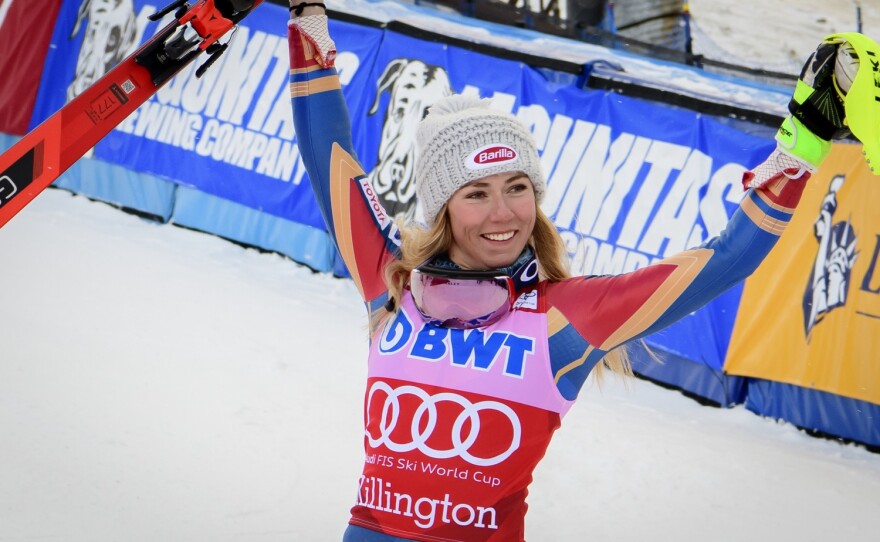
x=492 y=219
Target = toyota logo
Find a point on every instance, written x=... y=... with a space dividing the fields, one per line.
x=427 y=412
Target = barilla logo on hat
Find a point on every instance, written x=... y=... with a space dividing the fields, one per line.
x=490 y=155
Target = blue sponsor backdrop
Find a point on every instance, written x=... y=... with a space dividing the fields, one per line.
x=628 y=181
x=228 y=133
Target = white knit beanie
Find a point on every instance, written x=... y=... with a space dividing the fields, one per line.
x=461 y=140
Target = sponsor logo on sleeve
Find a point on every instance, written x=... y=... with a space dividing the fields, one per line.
x=382 y=218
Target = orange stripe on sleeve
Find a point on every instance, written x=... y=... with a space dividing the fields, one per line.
x=688 y=266
x=344 y=168
x=762 y=219
x=314 y=86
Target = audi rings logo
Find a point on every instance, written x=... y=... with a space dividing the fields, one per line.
x=426 y=414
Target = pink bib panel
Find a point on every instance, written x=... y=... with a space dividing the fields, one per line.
x=455 y=423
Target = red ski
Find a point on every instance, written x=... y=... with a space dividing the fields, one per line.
x=51 y=148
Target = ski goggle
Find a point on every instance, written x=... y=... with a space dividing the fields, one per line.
x=466 y=299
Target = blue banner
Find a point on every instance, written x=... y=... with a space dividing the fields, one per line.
x=229 y=133
x=628 y=181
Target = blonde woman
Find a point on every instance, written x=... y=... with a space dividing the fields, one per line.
x=480 y=339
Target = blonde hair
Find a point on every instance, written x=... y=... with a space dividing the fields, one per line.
x=420 y=244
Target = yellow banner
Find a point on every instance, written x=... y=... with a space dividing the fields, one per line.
x=810 y=315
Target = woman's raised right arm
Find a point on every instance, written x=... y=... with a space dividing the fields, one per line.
x=361 y=229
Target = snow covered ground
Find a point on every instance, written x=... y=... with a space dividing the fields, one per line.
x=776 y=35
x=158 y=384
x=162 y=384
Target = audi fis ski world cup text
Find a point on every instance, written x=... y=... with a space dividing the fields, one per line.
x=400 y=463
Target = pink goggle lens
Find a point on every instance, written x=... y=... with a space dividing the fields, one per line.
x=461 y=303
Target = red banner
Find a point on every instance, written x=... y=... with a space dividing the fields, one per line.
x=25 y=31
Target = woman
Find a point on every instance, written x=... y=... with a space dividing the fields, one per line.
x=480 y=341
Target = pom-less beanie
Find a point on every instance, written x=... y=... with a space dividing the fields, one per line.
x=463 y=139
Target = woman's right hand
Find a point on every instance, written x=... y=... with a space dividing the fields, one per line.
x=310 y=20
